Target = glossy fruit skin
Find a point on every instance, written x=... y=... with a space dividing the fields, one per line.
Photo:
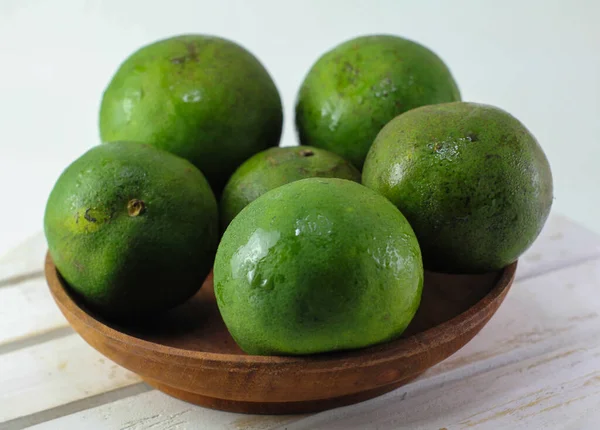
x=203 y=98
x=317 y=265
x=279 y=166
x=132 y=229
x=471 y=179
x=352 y=91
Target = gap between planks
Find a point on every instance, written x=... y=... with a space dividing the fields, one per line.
x=25 y=342
x=76 y=406
x=537 y=273
x=19 y=279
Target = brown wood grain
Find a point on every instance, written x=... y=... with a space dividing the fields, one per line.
x=189 y=353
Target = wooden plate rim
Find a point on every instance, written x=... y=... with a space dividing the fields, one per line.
x=413 y=345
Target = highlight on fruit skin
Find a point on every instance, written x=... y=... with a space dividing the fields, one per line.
x=317 y=265
x=132 y=229
x=354 y=89
x=204 y=98
x=471 y=179
x=279 y=166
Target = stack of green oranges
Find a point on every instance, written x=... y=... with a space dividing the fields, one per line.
x=317 y=247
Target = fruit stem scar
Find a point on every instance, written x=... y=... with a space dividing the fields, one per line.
x=135 y=207
x=87 y=215
x=307 y=153
x=192 y=53
x=472 y=137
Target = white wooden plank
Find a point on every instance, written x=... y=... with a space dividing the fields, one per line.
x=544 y=320
x=27 y=310
x=74 y=407
x=562 y=243
x=538 y=314
x=55 y=373
x=158 y=411
x=24 y=261
x=558 y=390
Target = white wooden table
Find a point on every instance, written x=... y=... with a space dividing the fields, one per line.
x=536 y=365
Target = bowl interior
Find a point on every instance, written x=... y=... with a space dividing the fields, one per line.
x=197 y=324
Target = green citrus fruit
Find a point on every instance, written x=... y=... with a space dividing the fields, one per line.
x=317 y=265
x=203 y=98
x=471 y=179
x=279 y=166
x=131 y=228
x=352 y=91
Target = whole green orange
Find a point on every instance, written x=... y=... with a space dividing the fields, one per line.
x=472 y=180
x=203 y=98
x=352 y=91
x=132 y=229
x=320 y=264
x=279 y=166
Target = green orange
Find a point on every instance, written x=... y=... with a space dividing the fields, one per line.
x=278 y=166
x=132 y=229
x=320 y=264
x=472 y=180
x=353 y=90
x=203 y=98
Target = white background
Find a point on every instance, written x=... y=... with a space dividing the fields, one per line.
x=540 y=60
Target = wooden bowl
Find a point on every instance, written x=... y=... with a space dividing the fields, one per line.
x=188 y=352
